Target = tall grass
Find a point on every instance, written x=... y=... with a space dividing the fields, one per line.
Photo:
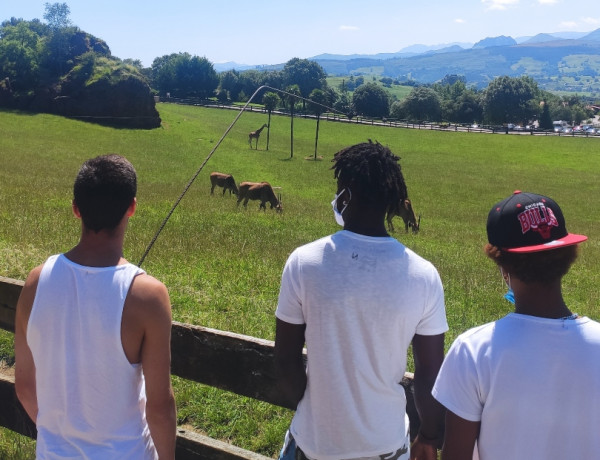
x=222 y=264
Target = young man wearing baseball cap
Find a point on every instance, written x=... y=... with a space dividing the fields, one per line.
x=525 y=386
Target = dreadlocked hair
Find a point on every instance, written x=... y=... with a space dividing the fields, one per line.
x=373 y=171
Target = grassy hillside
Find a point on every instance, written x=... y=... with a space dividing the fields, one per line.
x=397 y=91
x=222 y=264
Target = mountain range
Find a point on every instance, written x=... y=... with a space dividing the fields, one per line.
x=566 y=61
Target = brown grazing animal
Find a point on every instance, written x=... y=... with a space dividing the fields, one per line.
x=223 y=180
x=255 y=135
x=404 y=210
x=259 y=191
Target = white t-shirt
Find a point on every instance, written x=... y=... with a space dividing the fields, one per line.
x=362 y=300
x=533 y=383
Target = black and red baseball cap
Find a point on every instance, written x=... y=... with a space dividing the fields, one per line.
x=527 y=222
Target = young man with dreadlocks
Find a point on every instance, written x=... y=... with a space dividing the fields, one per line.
x=358 y=299
x=92 y=336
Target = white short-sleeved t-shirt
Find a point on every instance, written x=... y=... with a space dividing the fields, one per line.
x=362 y=300
x=533 y=383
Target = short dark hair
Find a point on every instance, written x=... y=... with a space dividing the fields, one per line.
x=104 y=188
x=543 y=267
x=373 y=171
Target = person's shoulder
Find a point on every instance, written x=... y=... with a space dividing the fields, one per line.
x=34 y=275
x=312 y=246
x=476 y=335
x=590 y=324
x=148 y=296
x=418 y=262
x=145 y=286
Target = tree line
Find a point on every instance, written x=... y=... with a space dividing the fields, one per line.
x=36 y=54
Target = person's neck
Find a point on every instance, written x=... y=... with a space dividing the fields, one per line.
x=102 y=249
x=365 y=228
x=545 y=301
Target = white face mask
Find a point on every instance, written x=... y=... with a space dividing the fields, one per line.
x=338 y=214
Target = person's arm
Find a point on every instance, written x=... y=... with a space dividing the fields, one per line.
x=428 y=352
x=289 y=364
x=24 y=365
x=156 y=363
x=460 y=438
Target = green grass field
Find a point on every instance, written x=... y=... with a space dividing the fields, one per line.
x=222 y=264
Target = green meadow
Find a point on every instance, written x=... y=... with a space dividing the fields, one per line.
x=222 y=264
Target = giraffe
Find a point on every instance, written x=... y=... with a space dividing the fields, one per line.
x=255 y=135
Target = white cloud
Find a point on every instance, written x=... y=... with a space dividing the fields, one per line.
x=568 y=25
x=547 y=2
x=499 y=4
x=592 y=21
x=348 y=28
x=460 y=21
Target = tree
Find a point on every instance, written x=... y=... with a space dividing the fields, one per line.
x=57 y=15
x=422 y=104
x=397 y=111
x=319 y=99
x=163 y=73
x=271 y=101
x=451 y=79
x=293 y=91
x=307 y=75
x=462 y=105
x=19 y=60
x=249 y=81
x=182 y=75
x=371 y=100
x=195 y=76
x=230 y=84
x=508 y=99
x=57 y=55
x=545 y=120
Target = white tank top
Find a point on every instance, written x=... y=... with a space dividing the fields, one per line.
x=91 y=400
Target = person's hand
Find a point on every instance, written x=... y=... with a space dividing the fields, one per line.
x=423 y=449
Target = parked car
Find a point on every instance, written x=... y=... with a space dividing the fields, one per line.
x=591 y=130
x=558 y=129
x=567 y=130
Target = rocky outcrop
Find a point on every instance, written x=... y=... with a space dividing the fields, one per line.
x=125 y=102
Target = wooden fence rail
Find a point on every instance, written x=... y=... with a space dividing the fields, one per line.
x=232 y=362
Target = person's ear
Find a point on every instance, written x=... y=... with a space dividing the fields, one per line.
x=132 y=207
x=346 y=196
x=504 y=274
x=75 y=209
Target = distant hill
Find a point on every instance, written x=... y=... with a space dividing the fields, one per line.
x=540 y=38
x=547 y=62
x=409 y=51
x=593 y=36
x=495 y=41
x=559 y=61
x=224 y=66
x=449 y=49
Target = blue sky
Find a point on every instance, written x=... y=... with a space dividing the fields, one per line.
x=274 y=31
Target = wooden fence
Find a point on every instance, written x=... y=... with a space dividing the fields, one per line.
x=387 y=122
x=225 y=360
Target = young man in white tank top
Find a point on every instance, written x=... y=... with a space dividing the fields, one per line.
x=92 y=338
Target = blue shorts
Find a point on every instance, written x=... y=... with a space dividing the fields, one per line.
x=290 y=451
